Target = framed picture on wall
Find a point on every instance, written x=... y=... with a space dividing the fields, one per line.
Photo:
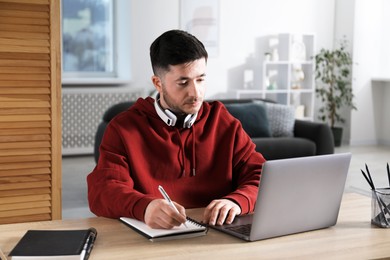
x=201 y=19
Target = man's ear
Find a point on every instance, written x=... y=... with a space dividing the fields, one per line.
x=157 y=83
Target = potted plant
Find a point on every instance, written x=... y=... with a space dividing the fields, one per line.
x=333 y=76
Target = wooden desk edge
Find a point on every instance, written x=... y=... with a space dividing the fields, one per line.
x=354 y=214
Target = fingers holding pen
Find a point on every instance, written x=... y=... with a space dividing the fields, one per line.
x=160 y=214
x=174 y=217
x=172 y=204
x=181 y=209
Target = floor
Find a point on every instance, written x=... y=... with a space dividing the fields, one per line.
x=75 y=170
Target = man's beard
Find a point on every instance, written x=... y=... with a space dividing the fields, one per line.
x=171 y=106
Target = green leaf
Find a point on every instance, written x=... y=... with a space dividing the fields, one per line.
x=334 y=89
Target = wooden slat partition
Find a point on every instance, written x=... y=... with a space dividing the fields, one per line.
x=30 y=111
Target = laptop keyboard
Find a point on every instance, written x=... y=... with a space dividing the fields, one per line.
x=242 y=229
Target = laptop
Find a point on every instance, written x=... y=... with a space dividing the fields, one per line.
x=295 y=195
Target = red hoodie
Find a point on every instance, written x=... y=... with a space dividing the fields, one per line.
x=213 y=159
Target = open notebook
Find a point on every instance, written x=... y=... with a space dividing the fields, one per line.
x=193 y=229
x=295 y=195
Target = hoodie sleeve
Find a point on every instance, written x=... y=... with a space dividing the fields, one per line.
x=247 y=165
x=111 y=190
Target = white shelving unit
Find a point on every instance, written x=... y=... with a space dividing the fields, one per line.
x=289 y=56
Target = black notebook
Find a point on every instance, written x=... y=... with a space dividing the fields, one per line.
x=55 y=244
x=193 y=229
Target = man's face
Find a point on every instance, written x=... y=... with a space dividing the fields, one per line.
x=182 y=88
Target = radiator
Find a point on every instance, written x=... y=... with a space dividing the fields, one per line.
x=82 y=111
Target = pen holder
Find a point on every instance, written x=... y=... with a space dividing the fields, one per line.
x=380 y=207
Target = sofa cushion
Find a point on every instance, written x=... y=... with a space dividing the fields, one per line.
x=281 y=119
x=253 y=117
x=284 y=147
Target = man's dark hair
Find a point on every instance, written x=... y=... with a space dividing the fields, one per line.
x=175 y=47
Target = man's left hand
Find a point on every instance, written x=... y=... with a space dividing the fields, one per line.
x=221 y=211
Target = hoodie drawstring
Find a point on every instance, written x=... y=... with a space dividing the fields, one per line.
x=193 y=151
x=182 y=148
x=183 y=159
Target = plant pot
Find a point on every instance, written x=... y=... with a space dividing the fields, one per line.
x=337 y=135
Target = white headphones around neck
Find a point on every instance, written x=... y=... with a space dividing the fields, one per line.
x=170 y=118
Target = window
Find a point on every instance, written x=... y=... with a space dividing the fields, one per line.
x=88 y=38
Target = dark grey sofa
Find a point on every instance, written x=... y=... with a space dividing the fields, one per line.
x=308 y=138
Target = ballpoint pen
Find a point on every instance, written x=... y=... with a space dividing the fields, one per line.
x=388 y=173
x=168 y=199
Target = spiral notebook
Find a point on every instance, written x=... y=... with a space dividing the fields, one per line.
x=193 y=229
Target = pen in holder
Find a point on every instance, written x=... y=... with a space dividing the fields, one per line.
x=380 y=202
x=380 y=207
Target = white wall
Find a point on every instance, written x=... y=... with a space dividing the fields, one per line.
x=149 y=19
x=241 y=23
x=371 y=41
x=384 y=41
x=344 y=28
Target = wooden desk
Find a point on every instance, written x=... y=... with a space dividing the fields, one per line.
x=352 y=238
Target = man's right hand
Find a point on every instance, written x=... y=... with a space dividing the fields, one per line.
x=159 y=214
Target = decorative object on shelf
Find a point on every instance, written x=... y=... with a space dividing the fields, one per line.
x=271 y=80
x=297 y=77
x=298 y=48
x=248 y=79
x=267 y=83
x=273 y=85
x=267 y=56
x=333 y=75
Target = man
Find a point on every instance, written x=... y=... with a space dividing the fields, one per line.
x=196 y=150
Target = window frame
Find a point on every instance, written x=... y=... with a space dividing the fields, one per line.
x=120 y=12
